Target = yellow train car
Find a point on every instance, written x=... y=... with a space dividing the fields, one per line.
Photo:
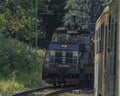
x=107 y=55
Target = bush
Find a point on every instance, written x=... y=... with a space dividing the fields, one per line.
x=22 y=61
x=9 y=87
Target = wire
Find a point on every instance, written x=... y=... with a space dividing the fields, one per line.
x=30 y=25
x=36 y=30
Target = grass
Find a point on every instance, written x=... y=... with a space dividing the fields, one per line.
x=20 y=68
x=8 y=87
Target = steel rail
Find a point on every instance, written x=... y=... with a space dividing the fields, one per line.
x=25 y=93
x=56 y=93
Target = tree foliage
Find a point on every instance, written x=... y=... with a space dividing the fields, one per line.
x=18 y=27
x=14 y=17
x=86 y=11
x=52 y=16
x=18 y=19
x=25 y=63
x=80 y=8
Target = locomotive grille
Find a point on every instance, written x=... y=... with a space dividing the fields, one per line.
x=64 y=57
x=69 y=57
x=58 y=57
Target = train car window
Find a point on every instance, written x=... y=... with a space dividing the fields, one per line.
x=99 y=40
x=116 y=26
x=109 y=34
x=106 y=41
x=112 y=33
x=109 y=22
x=96 y=35
x=102 y=36
x=106 y=37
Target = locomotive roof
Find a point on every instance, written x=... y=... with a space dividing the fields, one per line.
x=61 y=29
x=64 y=30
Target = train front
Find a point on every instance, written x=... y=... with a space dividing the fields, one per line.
x=61 y=60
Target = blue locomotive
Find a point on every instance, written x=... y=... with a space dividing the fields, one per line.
x=69 y=58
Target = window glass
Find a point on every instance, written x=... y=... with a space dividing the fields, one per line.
x=96 y=40
x=109 y=32
x=102 y=36
x=71 y=37
x=52 y=53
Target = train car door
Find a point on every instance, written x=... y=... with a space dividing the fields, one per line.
x=111 y=59
x=104 y=65
x=115 y=59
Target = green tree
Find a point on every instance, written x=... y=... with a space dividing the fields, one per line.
x=18 y=19
x=52 y=16
x=86 y=11
x=80 y=8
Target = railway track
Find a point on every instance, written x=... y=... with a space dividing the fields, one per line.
x=26 y=93
x=56 y=91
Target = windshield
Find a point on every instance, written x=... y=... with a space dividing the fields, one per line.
x=70 y=37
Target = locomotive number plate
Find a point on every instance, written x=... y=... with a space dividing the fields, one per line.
x=63 y=65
